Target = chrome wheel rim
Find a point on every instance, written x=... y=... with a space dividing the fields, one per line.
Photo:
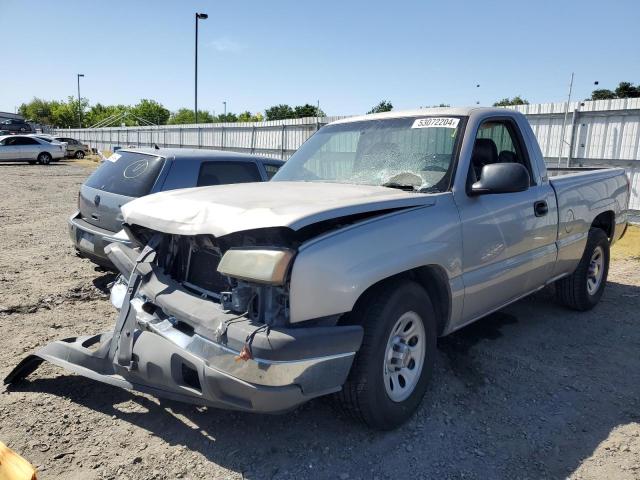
x=404 y=356
x=595 y=271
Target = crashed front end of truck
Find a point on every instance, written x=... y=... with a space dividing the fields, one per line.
x=205 y=319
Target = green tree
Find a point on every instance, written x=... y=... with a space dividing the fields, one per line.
x=627 y=90
x=186 y=115
x=38 y=110
x=623 y=90
x=249 y=117
x=182 y=116
x=244 y=116
x=506 y=102
x=64 y=114
x=602 y=94
x=307 y=110
x=152 y=112
x=383 y=106
x=99 y=113
x=227 y=118
x=279 y=112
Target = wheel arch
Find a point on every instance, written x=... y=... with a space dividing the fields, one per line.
x=606 y=222
x=432 y=278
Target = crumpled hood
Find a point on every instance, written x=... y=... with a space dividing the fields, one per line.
x=224 y=209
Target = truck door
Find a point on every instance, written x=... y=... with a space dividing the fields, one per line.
x=508 y=238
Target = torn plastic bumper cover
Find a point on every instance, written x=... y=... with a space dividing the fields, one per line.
x=167 y=352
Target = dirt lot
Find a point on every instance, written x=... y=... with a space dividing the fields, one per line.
x=534 y=391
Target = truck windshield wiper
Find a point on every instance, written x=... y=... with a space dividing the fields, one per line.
x=400 y=186
x=411 y=188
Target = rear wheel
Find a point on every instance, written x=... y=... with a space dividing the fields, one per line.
x=79 y=154
x=44 y=158
x=392 y=369
x=584 y=287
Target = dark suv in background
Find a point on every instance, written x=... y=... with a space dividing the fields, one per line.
x=134 y=173
x=15 y=125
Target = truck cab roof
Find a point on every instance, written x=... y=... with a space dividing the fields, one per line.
x=423 y=112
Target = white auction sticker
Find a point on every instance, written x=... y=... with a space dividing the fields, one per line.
x=436 y=122
x=114 y=157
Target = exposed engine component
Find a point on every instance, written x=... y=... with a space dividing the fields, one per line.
x=262 y=303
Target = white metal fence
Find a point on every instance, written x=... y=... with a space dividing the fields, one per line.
x=277 y=139
x=600 y=133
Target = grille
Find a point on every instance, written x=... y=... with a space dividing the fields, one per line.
x=202 y=272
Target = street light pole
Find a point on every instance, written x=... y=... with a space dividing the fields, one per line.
x=79 y=102
x=225 y=108
x=199 y=16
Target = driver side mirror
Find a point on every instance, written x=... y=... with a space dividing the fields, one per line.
x=501 y=178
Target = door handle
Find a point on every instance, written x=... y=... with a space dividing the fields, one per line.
x=541 y=208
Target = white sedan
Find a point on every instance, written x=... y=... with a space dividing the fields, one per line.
x=29 y=149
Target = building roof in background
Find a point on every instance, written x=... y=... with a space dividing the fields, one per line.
x=7 y=115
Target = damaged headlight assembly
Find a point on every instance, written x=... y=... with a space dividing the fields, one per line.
x=261 y=290
x=264 y=266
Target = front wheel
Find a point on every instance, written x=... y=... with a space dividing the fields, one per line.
x=44 y=158
x=392 y=369
x=79 y=154
x=584 y=287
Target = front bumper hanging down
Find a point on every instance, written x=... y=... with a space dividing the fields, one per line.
x=154 y=355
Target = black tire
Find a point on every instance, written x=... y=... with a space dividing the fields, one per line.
x=44 y=158
x=573 y=291
x=364 y=395
x=79 y=154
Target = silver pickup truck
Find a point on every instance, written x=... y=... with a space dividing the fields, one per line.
x=379 y=234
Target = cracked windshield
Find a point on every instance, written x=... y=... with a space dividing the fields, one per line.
x=414 y=154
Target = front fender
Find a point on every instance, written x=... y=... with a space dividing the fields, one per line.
x=331 y=272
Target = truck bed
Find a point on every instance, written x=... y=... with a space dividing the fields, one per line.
x=583 y=194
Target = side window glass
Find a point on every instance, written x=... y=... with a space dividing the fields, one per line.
x=499 y=134
x=222 y=173
x=497 y=142
x=271 y=170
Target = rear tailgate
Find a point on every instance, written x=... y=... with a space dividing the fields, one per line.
x=120 y=179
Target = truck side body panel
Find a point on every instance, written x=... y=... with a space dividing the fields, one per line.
x=508 y=251
x=331 y=272
x=581 y=198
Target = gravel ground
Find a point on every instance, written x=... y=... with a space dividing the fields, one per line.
x=533 y=391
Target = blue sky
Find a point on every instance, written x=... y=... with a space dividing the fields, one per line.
x=346 y=54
